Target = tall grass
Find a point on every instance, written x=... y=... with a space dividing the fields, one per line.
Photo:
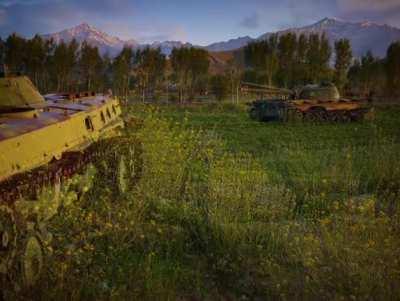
x=304 y=216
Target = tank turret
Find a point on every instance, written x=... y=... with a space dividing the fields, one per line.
x=18 y=92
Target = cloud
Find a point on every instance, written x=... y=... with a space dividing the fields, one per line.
x=307 y=11
x=251 y=22
x=368 y=5
x=116 y=17
x=3 y=17
x=29 y=17
x=382 y=11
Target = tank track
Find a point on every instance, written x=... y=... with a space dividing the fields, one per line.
x=22 y=251
x=336 y=116
x=71 y=163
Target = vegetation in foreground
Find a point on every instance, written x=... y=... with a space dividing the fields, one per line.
x=227 y=208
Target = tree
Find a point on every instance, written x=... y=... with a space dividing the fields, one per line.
x=318 y=57
x=2 y=56
x=65 y=60
x=233 y=74
x=393 y=69
x=91 y=65
x=368 y=62
x=199 y=64
x=190 y=69
x=300 y=66
x=35 y=61
x=122 y=68
x=367 y=76
x=287 y=49
x=219 y=86
x=344 y=56
x=180 y=68
x=263 y=58
x=149 y=67
x=15 y=53
x=324 y=59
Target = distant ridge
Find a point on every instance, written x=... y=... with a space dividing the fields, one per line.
x=364 y=36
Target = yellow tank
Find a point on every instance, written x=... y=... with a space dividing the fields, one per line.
x=46 y=141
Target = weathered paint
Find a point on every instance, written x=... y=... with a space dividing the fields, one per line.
x=55 y=127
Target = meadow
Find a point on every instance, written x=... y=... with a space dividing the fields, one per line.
x=226 y=208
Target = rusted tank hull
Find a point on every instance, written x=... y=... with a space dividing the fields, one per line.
x=312 y=111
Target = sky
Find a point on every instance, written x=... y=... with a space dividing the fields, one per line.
x=199 y=22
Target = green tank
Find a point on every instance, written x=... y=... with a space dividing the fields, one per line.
x=51 y=146
x=317 y=103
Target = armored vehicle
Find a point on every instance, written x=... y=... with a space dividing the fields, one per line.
x=44 y=143
x=311 y=103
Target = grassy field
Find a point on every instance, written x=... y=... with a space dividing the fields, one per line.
x=226 y=208
x=339 y=160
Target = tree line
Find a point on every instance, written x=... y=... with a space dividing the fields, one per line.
x=292 y=60
x=287 y=60
x=72 y=66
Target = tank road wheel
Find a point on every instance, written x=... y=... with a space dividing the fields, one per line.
x=294 y=115
x=120 y=168
x=310 y=117
x=254 y=114
x=343 y=117
x=8 y=239
x=128 y=158
x=31 y=260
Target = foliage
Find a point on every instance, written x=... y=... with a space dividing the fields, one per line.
x=263 y=57
x=219 y=85
x=272 y=212
x=190 y=70
x=393 y=68
x=288 y=60
x=122 y=66
x=343 y=60
x=149 y=68
x=91 y=66
x=368 y=76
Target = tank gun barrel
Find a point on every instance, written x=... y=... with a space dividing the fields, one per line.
x=252 y=86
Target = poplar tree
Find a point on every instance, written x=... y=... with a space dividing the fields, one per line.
x=15 y=53
x=344 y=56
x=190 y=69
x=287 y=49
x=393 y=69
x=149 y=69
x=36 y=60
x=300 y=68
x=91 y=65
x=122 y=68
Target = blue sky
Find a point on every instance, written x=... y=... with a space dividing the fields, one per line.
x=198 y=22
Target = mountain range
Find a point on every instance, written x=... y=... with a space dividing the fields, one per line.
x=363 y=36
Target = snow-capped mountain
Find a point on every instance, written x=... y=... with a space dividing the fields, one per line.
x=84 y=32
x=363 y=36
